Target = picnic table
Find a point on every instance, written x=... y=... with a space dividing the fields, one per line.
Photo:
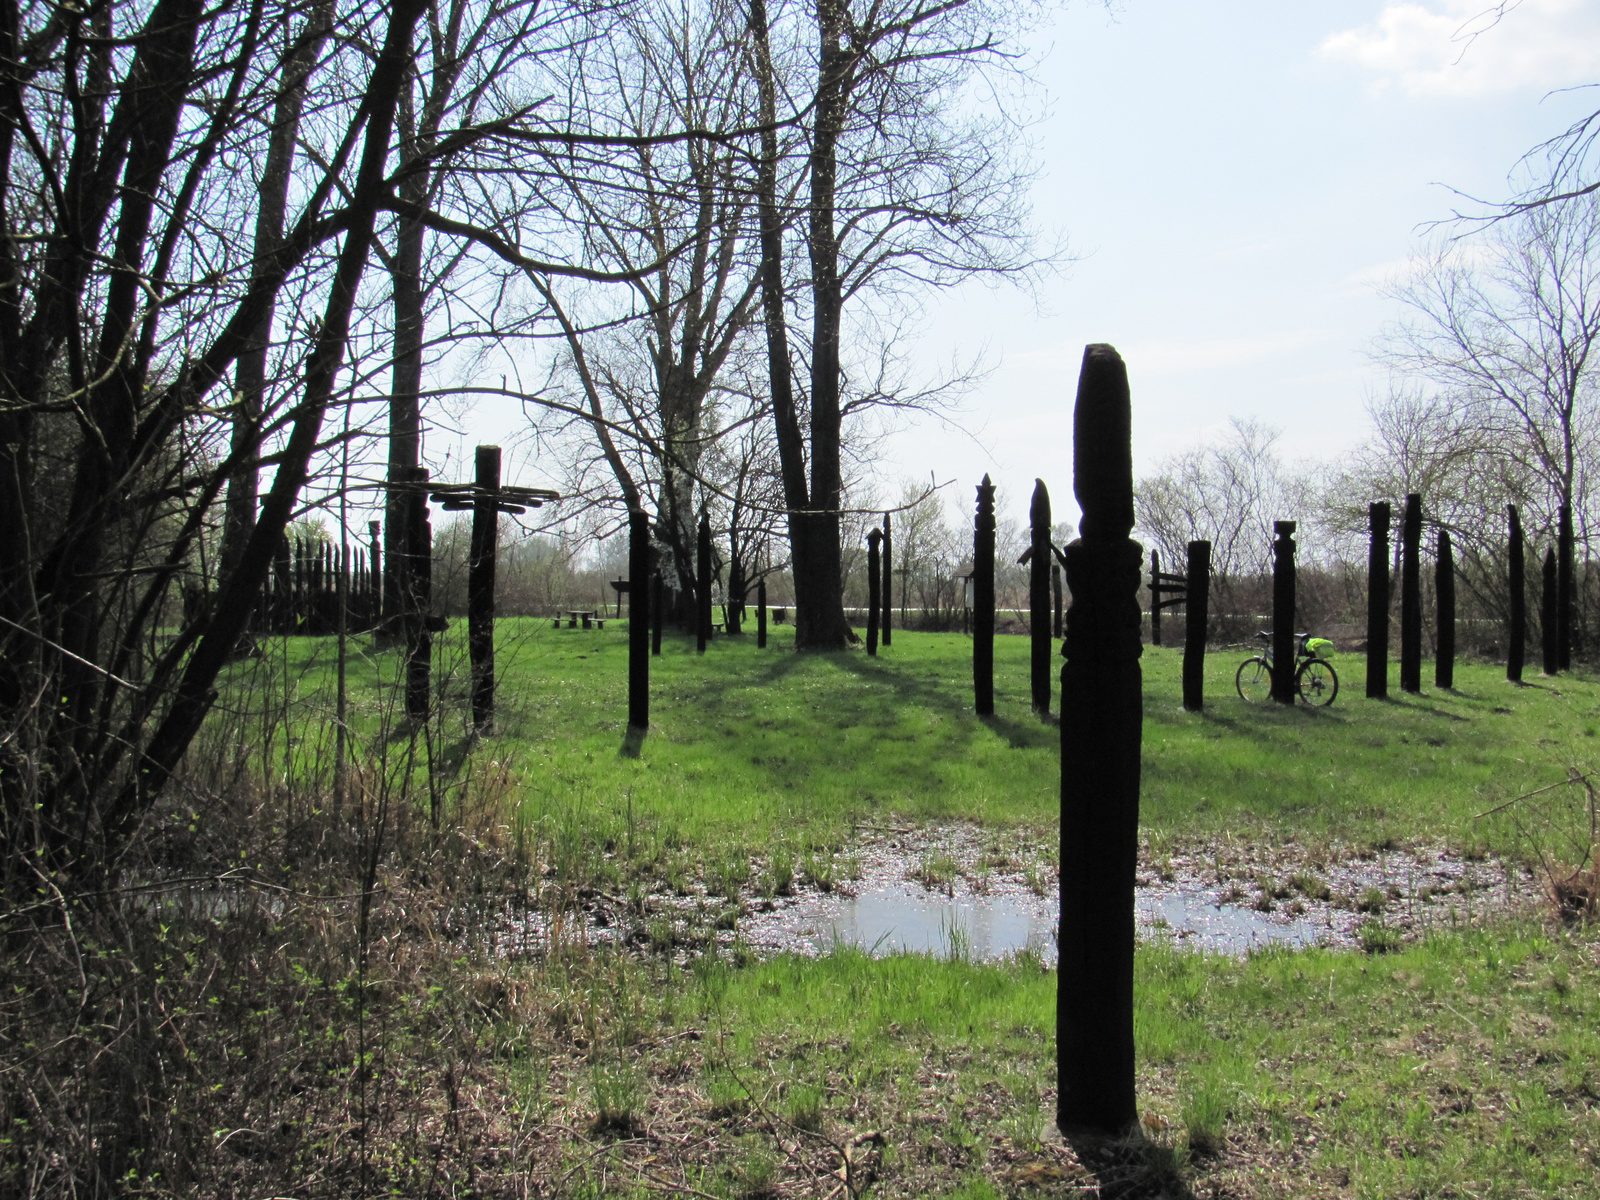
x=586 y=615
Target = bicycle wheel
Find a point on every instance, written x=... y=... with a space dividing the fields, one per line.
x=1317 y=682
x=1254 y=679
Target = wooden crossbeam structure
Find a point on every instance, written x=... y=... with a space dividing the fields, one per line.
x=1163 y=583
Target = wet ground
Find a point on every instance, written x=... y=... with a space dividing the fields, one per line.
x=956 y=889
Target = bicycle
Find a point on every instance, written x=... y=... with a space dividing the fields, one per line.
x=1315 y=680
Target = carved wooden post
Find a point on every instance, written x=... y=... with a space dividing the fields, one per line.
x=1055 y=596
x=638 y=620
x=1548 y=617
x=1444 y=587
x=1283 y=605
x=761 y=614
x=1517 y=634
x=1155 y=598
x=1411 y=596
x=1101 y=725
x=1564 y=587
x=1378 y=518
x=702 y=585
x=874 y=588
x=374 y=589
x=888 y=578
x=1039 y=564
x=983 y=601
x=1196 y=614
x=480 y=586
x=658 y=613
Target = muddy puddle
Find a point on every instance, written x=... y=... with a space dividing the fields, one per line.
x=958 y=890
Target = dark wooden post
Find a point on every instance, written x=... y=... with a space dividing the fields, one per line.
x=1444 y=587
x=1196 y=615
x=1039 y=564
x=1547 y=615
x=480 y=585
x=1155 y=598
x=638 y=620
x=1517 y=634
x=702 y=584
x=888 y=578
x=1411 y=596
x=1055 y=595
x=658 y=613
x=983 y=601
x=1101 y=726
x=417 y=574
x=1378 y=518
x=874 y=588
x=374 y=597
x=761 y=614
x=1283 y=606
x=1565 y=569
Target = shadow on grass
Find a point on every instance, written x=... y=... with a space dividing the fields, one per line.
x=1420 y=705
x=1131 y=1167
x=632 y=742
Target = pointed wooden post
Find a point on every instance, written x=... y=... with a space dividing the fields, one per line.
x=1283 y=606
x=1565 y=572
x=983 y=601
x=1517 y=571
x=1039 y=564
x=702 y=585
x=1196 y=614
x=761 y=614
x=1101 y=726
x=1155 y=598
x=1547 y=615
x=480 y=585
x=1444 y=588
x=638 y=620
x=1378 y=520
x=1411 y=596
x=886 y=624
x=874 y=588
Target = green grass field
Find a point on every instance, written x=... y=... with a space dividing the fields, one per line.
x=1466 y=1063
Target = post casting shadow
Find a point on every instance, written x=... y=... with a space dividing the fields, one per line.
x=632 y=742
x=1130 y=1167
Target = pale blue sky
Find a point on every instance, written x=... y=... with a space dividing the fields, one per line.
x=1236 y=177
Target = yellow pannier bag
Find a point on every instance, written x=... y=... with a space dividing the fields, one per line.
x=1319 y=647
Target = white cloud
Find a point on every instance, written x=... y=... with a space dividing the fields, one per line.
x=1460 y=48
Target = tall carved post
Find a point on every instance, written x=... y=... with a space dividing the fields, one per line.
x=1517 y=634
x=702 y=585
x=1565 y=570
x=480 y=586
x=1547 y=615
x=1283 y=605
x=761 y=614
x=983 y=601
x=658 y=612
x=1444 y=588
x=417 y=602
x=374 y=596
x=1411 y=596
x=1196 y=615
x=638 y=620
x=1101 y=726
x=874 y=588
x=1039 y=564
x=1378 y=518
x=1155 y=598
x=1055 y=597
x=888 y=578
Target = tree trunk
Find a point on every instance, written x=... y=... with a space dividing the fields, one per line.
x=1547 y=615
x=1517 y=632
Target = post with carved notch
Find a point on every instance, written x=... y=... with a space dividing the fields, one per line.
x=1039 y=564
x=1196 y=614
x=1517 y=571
x=888 y=578
x=638 y=620
x=1101 y=726
x=874 y=588
x=1547 y=615
x=1378 y=521
x=1444 y=589
x=983 y=602
x=1411 y=596
x=1283 y=606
